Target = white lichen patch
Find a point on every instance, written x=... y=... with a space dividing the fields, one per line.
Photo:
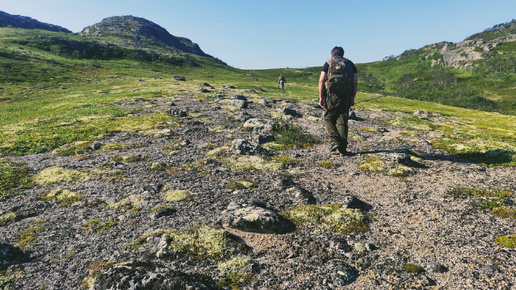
x=57 y=174
x=64 y=196
x=251 y=163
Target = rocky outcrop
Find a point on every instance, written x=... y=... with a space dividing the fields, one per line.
x=141 y=30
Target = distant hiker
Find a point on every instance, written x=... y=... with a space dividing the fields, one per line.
x=281 y=82
x=338 y=86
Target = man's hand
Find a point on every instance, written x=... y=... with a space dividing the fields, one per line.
x=322 y=103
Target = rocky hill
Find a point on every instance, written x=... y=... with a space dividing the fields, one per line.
x=207 y=201
x=475 y=73
x=8 y=20
x=140 y=33
x=462 y=55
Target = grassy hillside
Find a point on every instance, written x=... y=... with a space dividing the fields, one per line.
x=478 y=73
x=51 y=95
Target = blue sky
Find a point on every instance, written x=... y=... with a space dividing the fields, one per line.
x=277 y=34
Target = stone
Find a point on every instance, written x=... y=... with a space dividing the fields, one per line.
x=291 y=112
x=341 y=273
x=260 y=126
x=244 y=147
x=148 y=275
x=253 y=218
x=300 y=196
x=179 y=78
x=176 y=112
x=241 y=104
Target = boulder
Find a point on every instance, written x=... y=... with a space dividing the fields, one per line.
x=179 y=78
x=260 y=126
x=244 y=147
x=253 y=218
x=148 y=275
x=299 y=196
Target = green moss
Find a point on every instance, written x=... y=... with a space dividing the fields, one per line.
x=412 y=268
x=110 y=147
x=373 y=164
x=237 y=271
x=413 y=123
x=27 y=238
x=174 y=195
x=325 y=164
x=9 y=276
x=128 y=159
x=286 y=160
x=8 y=217
x=96 y=225
x=504 y=212
x=74 y=148
x=64 y=197
x=197 y=166
x=115 y=175
x=128 y=204
x=57 y=174
x=242 y=184
x=507 y=241
x=13 y=177
x=251 y=163
x=206 y=242
x=334 y=218
x=499 y=202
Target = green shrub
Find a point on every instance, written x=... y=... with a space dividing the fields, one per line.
x=289 y=135
x=412 y=268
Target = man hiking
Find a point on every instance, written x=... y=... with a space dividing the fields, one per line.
x=281 y=82
x=338 y=86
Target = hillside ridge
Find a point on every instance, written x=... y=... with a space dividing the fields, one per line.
x=140 y=33
x=9 y=20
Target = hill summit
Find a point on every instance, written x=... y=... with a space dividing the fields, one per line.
x=8 y=20
x=140 y=33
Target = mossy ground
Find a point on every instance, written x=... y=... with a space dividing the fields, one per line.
x=498 y=201
x=507 y=241
x=13 y=177
x=27 y=238
x=57 y=174
x=334 y=218
x=64 y=197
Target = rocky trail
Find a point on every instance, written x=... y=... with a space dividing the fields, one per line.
x=204 y=202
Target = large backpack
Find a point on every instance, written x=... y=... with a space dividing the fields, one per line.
x=339 y=80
